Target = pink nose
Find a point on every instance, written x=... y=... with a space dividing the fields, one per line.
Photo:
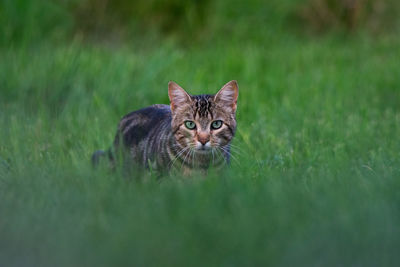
x=203 y=138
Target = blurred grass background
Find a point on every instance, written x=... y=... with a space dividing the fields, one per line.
x=315 y=175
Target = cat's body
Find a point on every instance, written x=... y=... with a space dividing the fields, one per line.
x=194 y=132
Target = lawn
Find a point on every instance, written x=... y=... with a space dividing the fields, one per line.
x=315 y=175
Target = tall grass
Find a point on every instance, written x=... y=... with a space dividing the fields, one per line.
x=314 y=179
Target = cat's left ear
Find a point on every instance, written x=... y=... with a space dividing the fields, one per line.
x=228 y=95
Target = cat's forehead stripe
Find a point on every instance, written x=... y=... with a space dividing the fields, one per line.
x=203 y=105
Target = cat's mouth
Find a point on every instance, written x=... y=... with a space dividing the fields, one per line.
x=203 y=149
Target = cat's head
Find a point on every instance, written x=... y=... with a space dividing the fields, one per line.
x=202 y=122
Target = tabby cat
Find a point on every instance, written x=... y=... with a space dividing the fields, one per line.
x=193 y=132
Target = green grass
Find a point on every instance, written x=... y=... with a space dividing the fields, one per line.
x=315 y=179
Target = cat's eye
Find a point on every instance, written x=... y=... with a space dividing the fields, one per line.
x=216 y=124
x=190 y=125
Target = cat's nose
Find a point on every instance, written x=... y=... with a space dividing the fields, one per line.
x=203 y=138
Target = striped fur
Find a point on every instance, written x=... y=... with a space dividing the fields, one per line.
x=156 y=137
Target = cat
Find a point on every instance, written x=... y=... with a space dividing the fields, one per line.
x=193 y=132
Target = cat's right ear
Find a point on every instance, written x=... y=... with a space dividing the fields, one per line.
x=177 y=96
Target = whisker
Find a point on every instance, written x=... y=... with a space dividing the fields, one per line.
x=193 y=156
x=184 y=160
x=231 y=155
x=220 y=151
x=237 y=149
x=239 y=153
x=172 y=162
x=235 y=146
x=212 y=152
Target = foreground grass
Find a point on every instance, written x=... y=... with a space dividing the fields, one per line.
x=315 y=179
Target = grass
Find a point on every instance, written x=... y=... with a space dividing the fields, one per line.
x=315 y=180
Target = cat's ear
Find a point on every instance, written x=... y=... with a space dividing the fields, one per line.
x=177 y=96
x=228 y=95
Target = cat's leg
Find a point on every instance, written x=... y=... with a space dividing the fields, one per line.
x=96 y=157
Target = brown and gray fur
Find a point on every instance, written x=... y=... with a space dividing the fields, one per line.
x=156 y=137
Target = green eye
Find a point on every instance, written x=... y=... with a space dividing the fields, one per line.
x=190 y=125
x=216 y=124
